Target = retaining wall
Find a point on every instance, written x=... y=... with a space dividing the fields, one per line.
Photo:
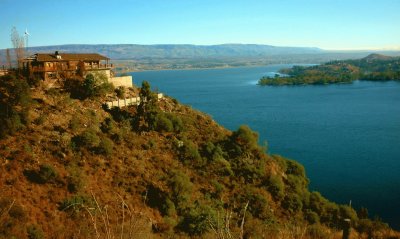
x=121 y=81
x=128 y=101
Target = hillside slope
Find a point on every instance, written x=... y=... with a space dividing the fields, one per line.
x=71 y=168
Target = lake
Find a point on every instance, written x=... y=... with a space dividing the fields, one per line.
x=347 y=135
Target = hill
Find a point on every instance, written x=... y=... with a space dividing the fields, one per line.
x=135 y=57
x=135 y=51
x=374 y=67
x=71 y=168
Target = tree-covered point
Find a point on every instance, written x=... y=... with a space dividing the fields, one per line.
x=373 y=67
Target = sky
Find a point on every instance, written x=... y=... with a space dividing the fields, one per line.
x=327 y=24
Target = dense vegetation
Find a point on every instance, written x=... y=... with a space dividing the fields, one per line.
x=373 y=67
x=159 y=170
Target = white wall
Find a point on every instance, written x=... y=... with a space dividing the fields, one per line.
x=121 y=81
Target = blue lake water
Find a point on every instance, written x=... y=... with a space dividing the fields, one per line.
x=347 y=136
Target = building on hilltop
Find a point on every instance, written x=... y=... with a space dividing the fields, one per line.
x=66 y=65
x=49 y=67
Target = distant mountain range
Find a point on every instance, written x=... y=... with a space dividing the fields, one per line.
x=134 y=57
x=134 y=51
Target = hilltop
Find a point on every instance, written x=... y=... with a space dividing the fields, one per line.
x=374 y=67
x=72 y=168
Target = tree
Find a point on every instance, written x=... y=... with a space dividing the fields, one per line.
x=8 y=56
x=18 y=44
x=96 y=85
x=147 y=110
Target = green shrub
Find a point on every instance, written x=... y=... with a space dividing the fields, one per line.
x=35 y=232
x=94 y=85
x=296 y=184
x=106 y=146
x=40 y=120
x=76 y=204
x=292 y=203
x=75 y=180
x=120 y=91
x=276 y=187
x=107 y=126
x=75 y=123
x=87 y=139
x=258 y=202
x=311 y=217
x=196 y=220
x=163 y=124
x=244 y=140
x=168 y=208
x=219 y=188
x=189 y=152
x=295 y=168
x=223 y=166
x=176 y=122
x=47 y=173
x=181 y=189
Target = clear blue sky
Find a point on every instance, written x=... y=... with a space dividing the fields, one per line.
x=328 y=24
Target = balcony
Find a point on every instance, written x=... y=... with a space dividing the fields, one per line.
x=71 y=68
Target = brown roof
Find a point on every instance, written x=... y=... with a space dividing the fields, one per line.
x=70 y=57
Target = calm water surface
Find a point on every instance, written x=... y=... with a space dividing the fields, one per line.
x=347 y=136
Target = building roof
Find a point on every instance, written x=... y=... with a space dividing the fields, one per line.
x=69 y=57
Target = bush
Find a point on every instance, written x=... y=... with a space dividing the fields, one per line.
x=75 y=123
x=292 y=203
x=107 y=126
x=15 y=103
x=181 y=188
x=296 y=184
x=196 y=220
x=163 y=124
x=258 y=202
x=120 y=91
x=76 y=204
x=88 y=139
x=35 y=232
x=47 y=173
x=295 y=168
x=76 y=181
x=106 y=146
x=244 y=140
x=168 y=208
x=94 y=85
x=276 y=187
x=311 y=217
x=189 y=152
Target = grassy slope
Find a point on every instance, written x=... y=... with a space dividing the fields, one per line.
x=148 y=186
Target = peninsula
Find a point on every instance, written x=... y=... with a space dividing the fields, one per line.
x=374 y=67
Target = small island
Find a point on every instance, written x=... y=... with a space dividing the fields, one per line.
x=374 y=67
